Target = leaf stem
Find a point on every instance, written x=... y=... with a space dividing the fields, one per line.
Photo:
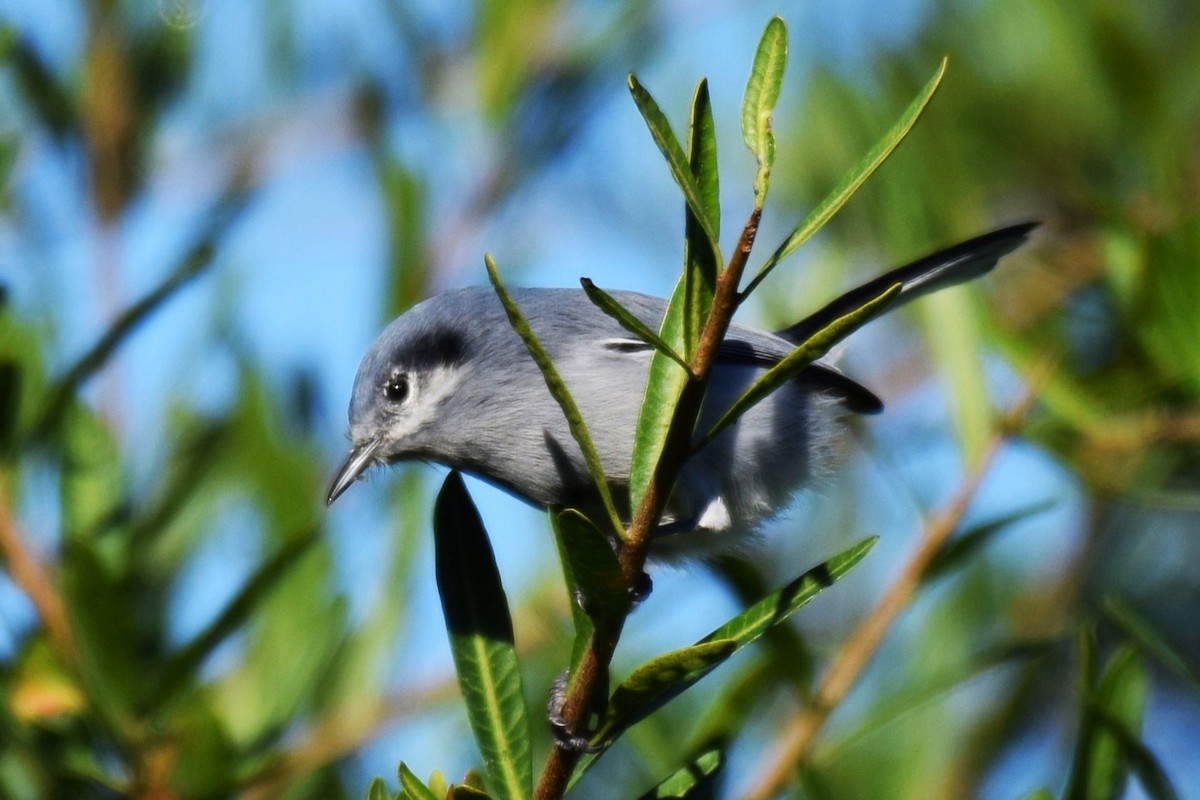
x=586 y=691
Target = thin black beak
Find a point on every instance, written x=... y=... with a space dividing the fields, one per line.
x=360 y=458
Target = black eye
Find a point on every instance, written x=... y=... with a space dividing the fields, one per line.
x=395 y=388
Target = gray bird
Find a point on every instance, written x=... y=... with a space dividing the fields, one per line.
x=450 y=382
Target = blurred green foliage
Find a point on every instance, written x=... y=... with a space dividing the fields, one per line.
x=1084 y=115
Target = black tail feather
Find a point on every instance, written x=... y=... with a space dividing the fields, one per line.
x=958 y=264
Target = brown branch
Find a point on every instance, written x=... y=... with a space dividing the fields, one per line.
x=588 y=691
x=792 y=746
x=31 y=577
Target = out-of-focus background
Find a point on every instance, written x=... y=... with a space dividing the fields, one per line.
x=208 y=209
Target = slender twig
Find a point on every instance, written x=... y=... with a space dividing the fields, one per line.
x=32 y=578
x=587 y=691
x=791 y=747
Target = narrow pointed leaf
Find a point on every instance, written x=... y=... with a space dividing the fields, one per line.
x=661 y=679
x=664 y=383
x=193 y=264
x=669 y=145
x=594 y=568
x=658 y=681
x=781 y=604
x=1141 y=760
x=1099 y=769
x=1121 y=695
x=410 y=783
x=690 y=303
x=481 y=640
x=609 y=305
x=762 y=92
x=802 y=356
x=1149 y=641
x=181 y=671
x=853 y=179
x=464 y=791
x=378 y=790
x=692 y=781
x=580 y=621
x=699 y=260
x=560 y=392
x=962 y=548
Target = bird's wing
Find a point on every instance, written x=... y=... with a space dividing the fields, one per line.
x=746 y=347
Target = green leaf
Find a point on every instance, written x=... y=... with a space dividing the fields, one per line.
x=781 y=604
x=463 y=791
x=658 y=681
x=688 y=309
x=410 y=783
x=481 y=640
x=680 y=167
x=102 y=620
x=1149 y=641
x=853 y=179
x=594 y=567
x=181 y=671
x=561 y=394
x=699 y=260
x=580 y=621
x=378 y=790
x=802 y=356
x=664 y=383
x=692 y=781
x=1145 y=765
x=663 y=678
x=959 y=550
x=1100 y=768
x=609 y=305
x=92 y=486
x=194 y=263
x=930 y=687
x=762 y=92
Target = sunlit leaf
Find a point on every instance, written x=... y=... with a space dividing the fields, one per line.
x=718 y=645
x=776 y=607
x=594 y=568
x=700 y=261
x=802 y=356
x=664 y=383
x=413 y=785
x=962 y=548
x=560 y=392
x=378 y=790
x=658 y=681
x=762 y=92
x=627 y=320
x=679 y=164
x=481 y=640
x=692 y=781
x=852 y=180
